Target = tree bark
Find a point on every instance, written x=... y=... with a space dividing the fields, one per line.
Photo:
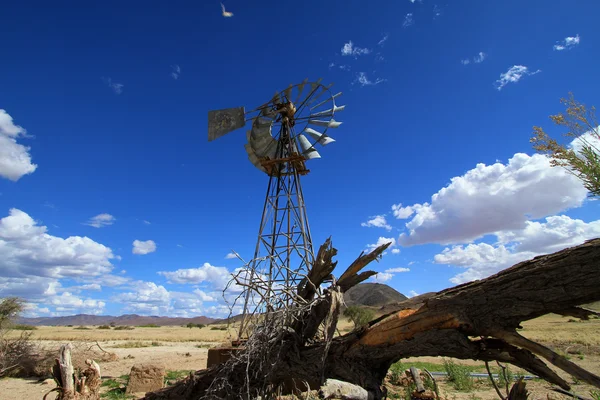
x=476 y=320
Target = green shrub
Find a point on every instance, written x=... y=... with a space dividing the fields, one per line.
x=458 y=375
x=149 y=326
x=104 y=327
x=358 y=316
x=124 y=328
x=82 y=328
x=23 y=327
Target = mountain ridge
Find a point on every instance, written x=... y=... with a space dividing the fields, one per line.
x=363 y=294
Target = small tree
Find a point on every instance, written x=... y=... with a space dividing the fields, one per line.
x=582 y=159
x=16 y=354
x=359 y=316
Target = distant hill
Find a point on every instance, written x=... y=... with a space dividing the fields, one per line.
x=129 y=320
x=372 y=295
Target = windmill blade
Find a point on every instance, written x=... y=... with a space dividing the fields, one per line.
x=253 y=158
x=324 y=89
x=221 y=122
x=330 y=124
x=329 y=112
x=288 y=92
x=320 y=138
x=326 y=100
x=300 y=90
x=307 y=150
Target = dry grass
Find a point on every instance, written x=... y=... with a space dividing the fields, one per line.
x=556 y=330
x=163 y=333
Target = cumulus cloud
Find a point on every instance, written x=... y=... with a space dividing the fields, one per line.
x=349 y=49
x=148 y=298
x=381 y=241
x=26 y=249
x=567 y=43
x=412 y=293
x=377 y=221
x=143 y=247
x=402 y=212
x=482 y=259
x=230 y=256
x=513 y=75
x=15 y=160
x=395 y=251
x=408 y=20
x=382 y=277
x=101 y=220
x=207 y=273
x=492 y=198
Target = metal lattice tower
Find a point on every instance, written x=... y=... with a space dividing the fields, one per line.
x=278 y=146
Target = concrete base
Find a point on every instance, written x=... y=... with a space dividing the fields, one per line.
x=218 y=355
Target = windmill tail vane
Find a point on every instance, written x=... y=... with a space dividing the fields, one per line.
x=285 y=133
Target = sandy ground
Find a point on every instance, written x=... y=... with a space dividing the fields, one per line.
x=174 y=356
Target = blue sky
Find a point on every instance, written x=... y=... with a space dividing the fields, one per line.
x=104 y=110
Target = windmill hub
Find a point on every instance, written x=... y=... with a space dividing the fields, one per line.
x=284 y=134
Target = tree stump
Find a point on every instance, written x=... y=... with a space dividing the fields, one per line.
x=85 y=385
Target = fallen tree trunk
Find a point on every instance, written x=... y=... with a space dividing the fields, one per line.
x=477 y=320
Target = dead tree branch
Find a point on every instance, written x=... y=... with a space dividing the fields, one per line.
x=441 y=324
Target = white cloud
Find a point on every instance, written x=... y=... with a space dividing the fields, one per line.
x=115 y=87
x=179 y=245
x=175 y=71
x=230 y=256
x=147 y=222
x=408 y=20
x=27 y=250
x=568 y=43
x=402 y=212
x=90 y=286
x=493 y=198
x=513 y=75
x=363 y=80
x=217 y=276
x=412 y=293
x=377 y=221
x=68 y=303
x=397 y=270
x=143 y=247
x=479 y=57
x=383 y=40
x=395 y=251
x=101 y=220
x=482 y=259
x=350 y=50
x=381 y=241
x=382 y=277
x=146 y=297
x=15 y=160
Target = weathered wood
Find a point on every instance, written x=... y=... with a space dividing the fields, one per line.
x=85 y=385
x=417 y=379
x=477 y=320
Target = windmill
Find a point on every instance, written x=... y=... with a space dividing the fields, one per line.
x=285 y=133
